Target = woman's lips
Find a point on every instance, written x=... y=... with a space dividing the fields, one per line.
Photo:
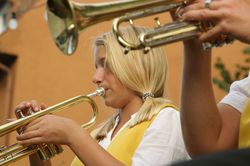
x=107 y=90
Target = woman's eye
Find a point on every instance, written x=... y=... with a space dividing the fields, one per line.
x=107 y=69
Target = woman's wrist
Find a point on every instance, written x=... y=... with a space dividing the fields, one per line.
x=194 y=48
x=75 y=136
x=193 y=44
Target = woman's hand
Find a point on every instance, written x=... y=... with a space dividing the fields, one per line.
x=49 y=129
x=26 y=106
x=230 y=17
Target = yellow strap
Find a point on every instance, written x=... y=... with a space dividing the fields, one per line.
x=126 y=142
x=244 y=137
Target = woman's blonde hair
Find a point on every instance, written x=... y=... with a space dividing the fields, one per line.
x=139 y=71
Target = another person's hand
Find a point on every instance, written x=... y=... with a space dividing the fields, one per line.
x=231 y=17
x=190 y=44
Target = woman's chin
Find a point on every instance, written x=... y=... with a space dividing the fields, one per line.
x=109 y=103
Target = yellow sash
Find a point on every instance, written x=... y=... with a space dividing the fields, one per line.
x=126 y=142
x=244 y=137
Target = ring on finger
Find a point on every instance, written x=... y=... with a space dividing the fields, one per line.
x=208 y=3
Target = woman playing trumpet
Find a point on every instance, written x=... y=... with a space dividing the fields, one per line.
x=146 y=128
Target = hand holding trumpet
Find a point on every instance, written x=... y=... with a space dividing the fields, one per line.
x=46 y=129
x=37 y=125
x=230 y=17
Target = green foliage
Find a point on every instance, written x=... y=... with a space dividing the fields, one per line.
x=228 y=78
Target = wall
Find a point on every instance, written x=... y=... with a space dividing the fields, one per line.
x=44 y=74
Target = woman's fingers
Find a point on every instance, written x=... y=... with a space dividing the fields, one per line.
x=23 y=105
x=33 y=125
x=32 y=141
x=201 y=15
x=22 y=109
x=198 y=12
x=29 y=135
x=211 y=34
x=35 y=106
x=43 y=106
x=26 y=108
x=214 y=5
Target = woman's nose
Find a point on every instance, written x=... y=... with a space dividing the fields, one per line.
x=97 y=77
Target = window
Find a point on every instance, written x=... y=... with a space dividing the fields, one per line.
x=6 y=88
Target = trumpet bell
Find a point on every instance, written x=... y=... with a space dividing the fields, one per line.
x=62 y=25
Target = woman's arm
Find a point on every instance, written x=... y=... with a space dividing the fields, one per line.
x=58 y=130
x=90 y=152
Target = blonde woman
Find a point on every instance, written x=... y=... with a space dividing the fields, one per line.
x=146 y=128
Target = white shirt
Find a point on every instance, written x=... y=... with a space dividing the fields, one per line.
x=239 y=94
x=162 y=143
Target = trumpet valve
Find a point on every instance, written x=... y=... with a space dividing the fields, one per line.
x=158 y=22
x=131 y=22
x=47 y=151
x=19 y=113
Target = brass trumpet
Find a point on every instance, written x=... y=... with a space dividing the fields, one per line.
x=66 y=19
x=15 y=152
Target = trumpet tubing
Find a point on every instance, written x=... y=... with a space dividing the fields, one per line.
x=45 y=151
x=16 y=152
x=165 y=33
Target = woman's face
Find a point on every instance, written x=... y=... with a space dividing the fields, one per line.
x=116 y=95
